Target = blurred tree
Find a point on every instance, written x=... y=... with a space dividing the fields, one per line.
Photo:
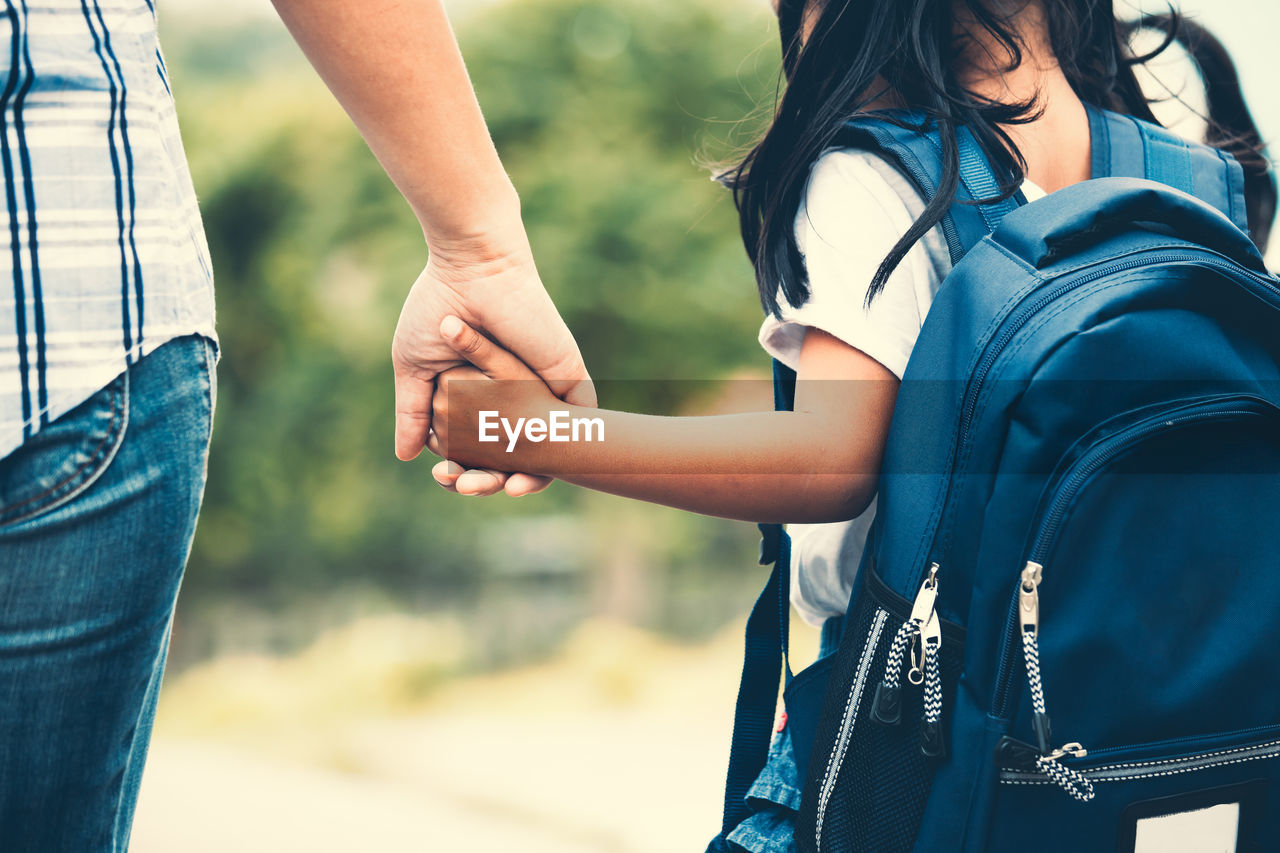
x=637 y=245
x=602 y=111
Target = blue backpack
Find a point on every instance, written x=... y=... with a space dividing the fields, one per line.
x=1065 y=630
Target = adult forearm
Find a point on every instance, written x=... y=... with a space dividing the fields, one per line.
x=395 y=68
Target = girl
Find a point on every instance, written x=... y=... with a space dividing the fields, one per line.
x=847 y=259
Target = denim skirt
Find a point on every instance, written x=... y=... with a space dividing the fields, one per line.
x=774 y=797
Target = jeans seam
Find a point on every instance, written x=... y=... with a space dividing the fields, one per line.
x=207 y=365
x=88 y=472
x=210 y=397
x=157 y=672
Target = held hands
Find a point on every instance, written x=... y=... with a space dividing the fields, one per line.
x=494 y=380
x=497 y=289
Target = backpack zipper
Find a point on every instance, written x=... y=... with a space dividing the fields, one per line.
x=1018 y=767
x=1081 y=470
x=887 y=603
x=886 y=707
x=922 y=634
x=1024 y=611
x=836 y=759
x=1023 y=312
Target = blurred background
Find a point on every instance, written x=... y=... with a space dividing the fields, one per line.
x=362 y=661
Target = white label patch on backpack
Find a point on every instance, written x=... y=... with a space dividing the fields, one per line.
x=1211 y=820
x=1207 y=830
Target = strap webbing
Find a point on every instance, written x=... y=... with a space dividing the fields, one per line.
x=916 y=150
x=765 y=659
x=1126 y=147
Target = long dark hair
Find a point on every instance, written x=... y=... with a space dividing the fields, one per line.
x=911 y=46
x=1230 y=125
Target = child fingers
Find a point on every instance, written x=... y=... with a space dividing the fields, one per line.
x=495 y=361
x=453 y=477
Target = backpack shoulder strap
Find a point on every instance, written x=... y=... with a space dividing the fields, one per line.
x=1126 y=147
x=765 y=656
x=1122 y=146
x=911 y=143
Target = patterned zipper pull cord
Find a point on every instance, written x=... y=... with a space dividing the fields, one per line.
x=886 y=706
x=1071 y=781
x=1049 y=760
x=932 y=743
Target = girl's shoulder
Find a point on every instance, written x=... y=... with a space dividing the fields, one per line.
x=842 y=176
x=855 y=208
x=857 y=202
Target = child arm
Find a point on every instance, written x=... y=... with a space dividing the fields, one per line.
x=817 y=463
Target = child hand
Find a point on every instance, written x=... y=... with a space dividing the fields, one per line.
x=470 y=403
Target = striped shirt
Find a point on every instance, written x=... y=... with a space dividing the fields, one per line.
x=101 y=242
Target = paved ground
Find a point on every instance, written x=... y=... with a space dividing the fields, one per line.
x=618 y=747
x=556 y=786
x=620 y=784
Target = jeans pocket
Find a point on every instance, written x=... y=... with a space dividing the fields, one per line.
x=65 y=457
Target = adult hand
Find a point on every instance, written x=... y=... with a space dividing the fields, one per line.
x=498 y=291
x=396 y=70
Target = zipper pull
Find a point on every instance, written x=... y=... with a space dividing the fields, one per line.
x=1072 y=781
x=926 y=598
x=1049 y=761
x=1029 y=598
x=886 y=706
x=1029 y=618
x=1013 y=754
x=921 y=612
x=1071 y=750
x=932 y=742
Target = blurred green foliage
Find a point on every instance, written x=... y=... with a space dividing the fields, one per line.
x=606 y=114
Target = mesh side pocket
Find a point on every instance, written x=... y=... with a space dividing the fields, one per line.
x=868 y=782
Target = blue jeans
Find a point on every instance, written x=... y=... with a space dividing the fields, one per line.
x=774 y=797
x=97 y=512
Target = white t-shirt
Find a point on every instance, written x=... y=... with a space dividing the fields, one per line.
x=856 y=206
